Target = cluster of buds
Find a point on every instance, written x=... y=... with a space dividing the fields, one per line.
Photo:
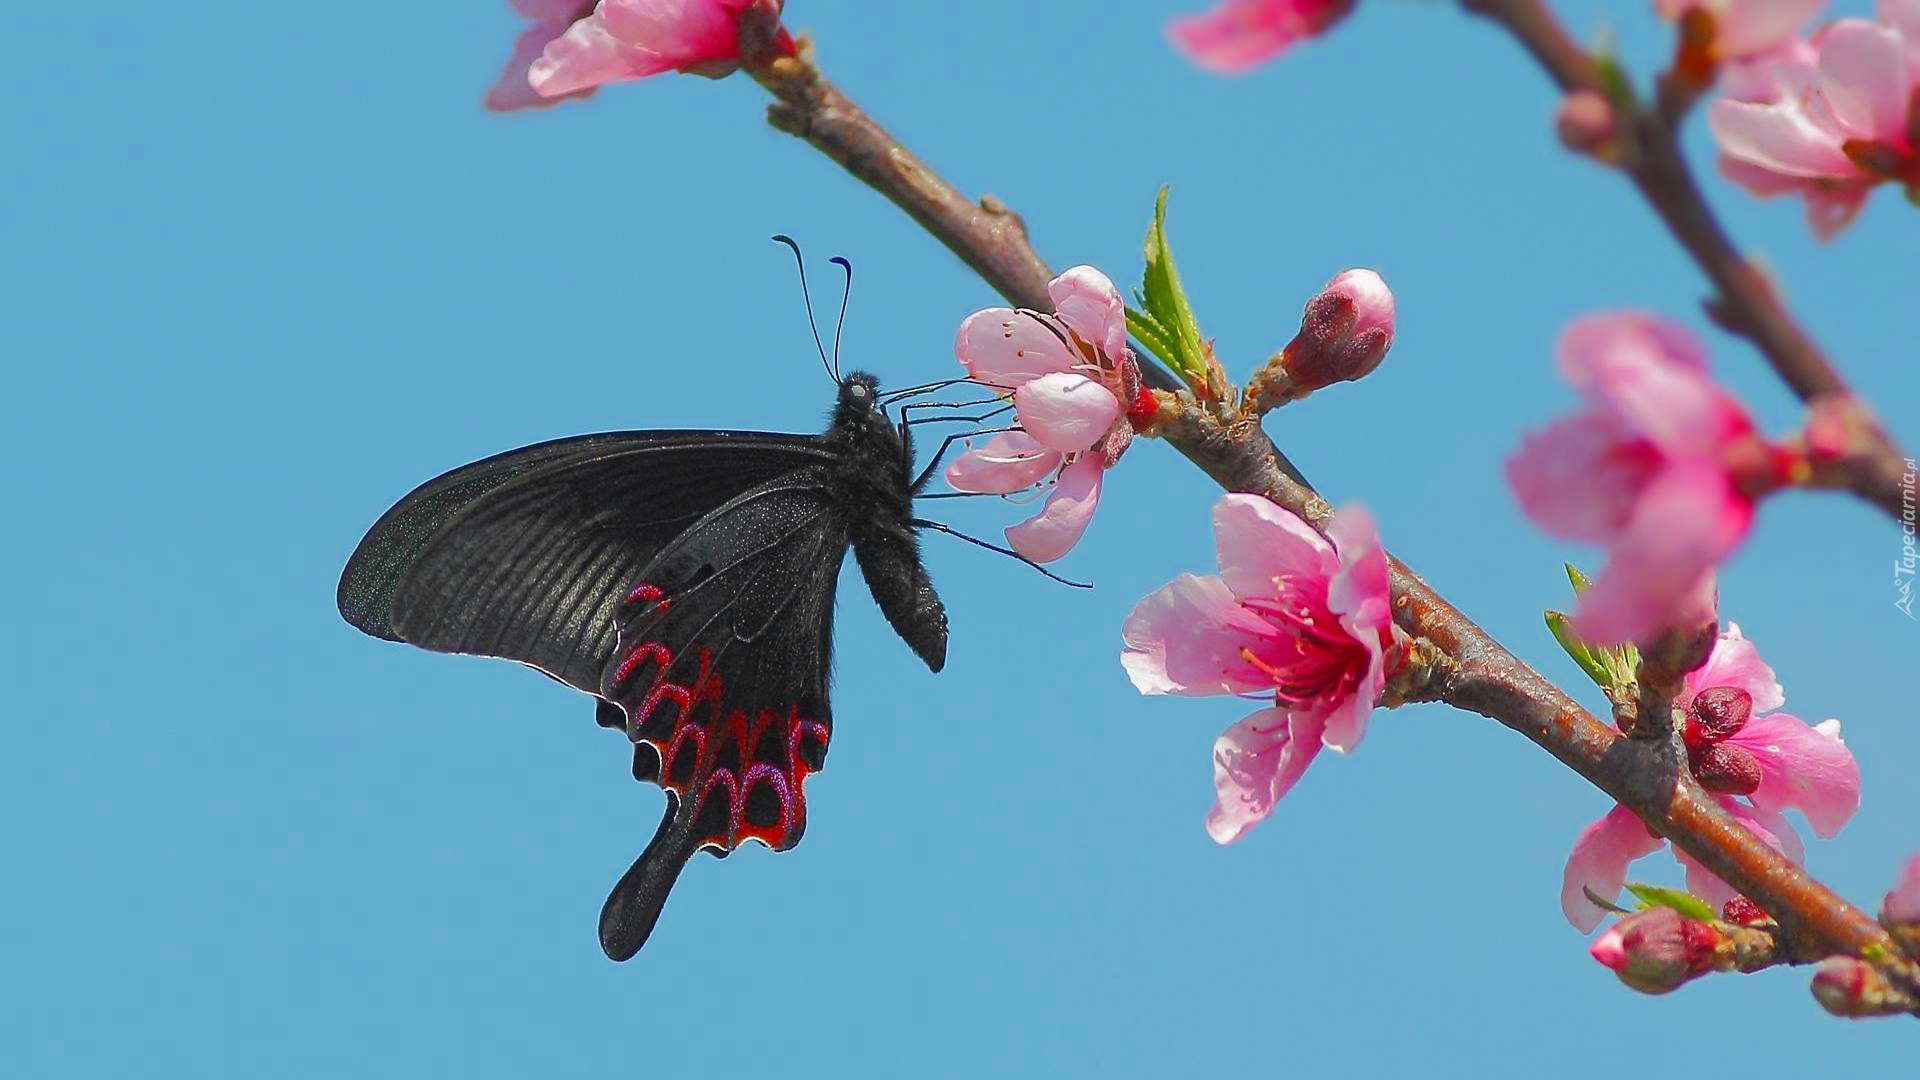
x=1715 y=715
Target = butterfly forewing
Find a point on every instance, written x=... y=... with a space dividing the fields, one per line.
x=530 y=570
x=722 y=670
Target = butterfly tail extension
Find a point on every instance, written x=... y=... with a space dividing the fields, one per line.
x=627 y=919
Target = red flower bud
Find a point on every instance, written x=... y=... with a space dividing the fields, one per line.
x=1728 y=770
x=1848 y=987
x=1716 y=713
x=1344 y=333
x=1659 y=950
x=1741 y=911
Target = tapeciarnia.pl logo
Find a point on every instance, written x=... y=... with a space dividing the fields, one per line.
x=1903 y=567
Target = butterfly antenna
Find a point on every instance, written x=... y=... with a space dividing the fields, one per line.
x=807 y=298
x=845 y=295
x=1008 y=552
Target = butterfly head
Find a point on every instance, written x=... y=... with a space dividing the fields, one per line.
x=859 y=399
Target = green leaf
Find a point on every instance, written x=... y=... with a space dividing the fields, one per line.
x=1153 y=337
x=1611 y=76
x=1167 y=315
x=1562 y=629
x=1678 y=899
x=1580 y=581
x=1611 y=668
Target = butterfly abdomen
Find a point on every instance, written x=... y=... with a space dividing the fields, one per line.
x=875 y=483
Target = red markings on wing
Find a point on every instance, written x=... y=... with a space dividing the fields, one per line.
x=703 y=720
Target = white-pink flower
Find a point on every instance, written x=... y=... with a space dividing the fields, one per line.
x=1293 y=614
x=1647 y=469
x=1758 y=765
x=632 y=39
x=1743 y=29
x=1826 y=119
x=1237 y=35
x=1902 y=903
x=1074 y=383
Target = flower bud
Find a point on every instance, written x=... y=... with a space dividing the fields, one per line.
x=1716 y=713
x=1727 y=770
x=1741 y=911
x=1344 y=333
x=1848 y=987
x=1586 y=124
x=1657 y=951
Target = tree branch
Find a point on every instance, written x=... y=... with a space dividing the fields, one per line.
x=1648 y=777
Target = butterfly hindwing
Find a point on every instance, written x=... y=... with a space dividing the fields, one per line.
x=531 y=567
x=722 y=670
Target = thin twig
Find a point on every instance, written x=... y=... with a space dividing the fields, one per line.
x=1747 y=302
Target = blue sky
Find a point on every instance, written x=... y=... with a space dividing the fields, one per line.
x=266 y=267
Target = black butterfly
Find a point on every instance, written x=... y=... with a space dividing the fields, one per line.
x=685 y=578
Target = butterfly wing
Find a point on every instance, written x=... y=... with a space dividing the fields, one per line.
x=722 y=669
x=525 y=554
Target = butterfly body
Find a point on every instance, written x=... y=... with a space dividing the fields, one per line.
x=686 y=579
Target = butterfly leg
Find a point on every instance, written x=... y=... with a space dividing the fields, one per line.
x=946 y=444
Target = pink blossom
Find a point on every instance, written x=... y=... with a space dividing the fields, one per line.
x=1645 y=469
x=632 y=39
x=1237 y=35
x=1074 y=383
x=1902 y=904
x=1303 y=617
x=1743 y=29
x=1826 y=119
x=550 y=19
x=1796 y=766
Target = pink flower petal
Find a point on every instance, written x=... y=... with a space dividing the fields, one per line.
x=1238 y=34
x=1255 y=763
x=1087 y=302
x=1903 y=16
x=1578 y=477
x=1902 y=904
x=1780 y=138
x=1802 y=767
x=632 y=39
x=1005 y=348
x=1735 y=662
x=1863 y=71
x=1185 y=638
x=1010 y=461
x=1052 y=533
x=1745 y=28
x=1599 y=861
x=511 y=90
x=1651 y=375
x=1768 y=826
x=1687 y=519
x=1830 y=209
x=1065 y=412
x=1258 y=544
x=1359 y=594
